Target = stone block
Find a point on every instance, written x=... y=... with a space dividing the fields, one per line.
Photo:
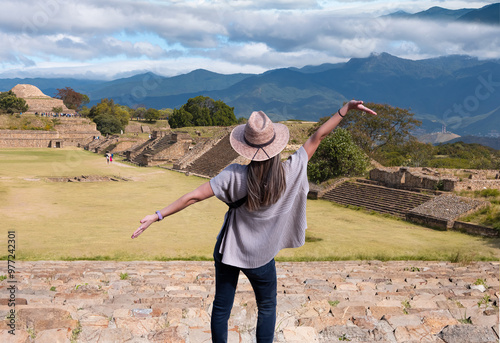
x=318 y=323
x=300 y=334
x=380 y=311
x=426 y=301
x=114 y=335
x=345 y=314
x=383 y=332
x=53 y=335
x=365 y=322
x=468 y=334
x=21 y=336
x=141 y=326
x=346 y=286
x=339 y=332
x=403 y=320
x=436 y=320
x=44 y=319
x=418 y=333
x=94 y=320
x=171 y=335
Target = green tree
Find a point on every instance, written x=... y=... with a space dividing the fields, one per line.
x=202 y=111
x=390 y=128
x=109 y=117
x=337 y=155
x=165 y=113
x=71 y=98
x=139 y=113
x=10 y=103
x=152 y=114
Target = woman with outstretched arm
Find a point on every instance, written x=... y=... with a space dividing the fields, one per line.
x=267 y=213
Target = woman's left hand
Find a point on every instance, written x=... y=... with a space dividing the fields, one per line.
x=358 y=105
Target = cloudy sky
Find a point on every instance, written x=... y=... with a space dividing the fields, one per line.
x=107 y=39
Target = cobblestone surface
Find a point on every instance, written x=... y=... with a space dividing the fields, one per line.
x=407 y=301
x=448 y=206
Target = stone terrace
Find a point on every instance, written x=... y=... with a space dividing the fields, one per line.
x=214 y=160
x=376 y=198
x=371 y=301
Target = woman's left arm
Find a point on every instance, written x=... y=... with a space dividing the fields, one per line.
x=199 y=194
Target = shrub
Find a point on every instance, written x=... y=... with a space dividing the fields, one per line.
x=337 y=155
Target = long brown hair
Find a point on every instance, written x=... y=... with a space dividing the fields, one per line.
x=265 y=182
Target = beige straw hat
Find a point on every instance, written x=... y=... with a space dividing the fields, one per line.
x=259 y=139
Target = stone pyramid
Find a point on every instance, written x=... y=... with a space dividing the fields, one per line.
x=37 y=101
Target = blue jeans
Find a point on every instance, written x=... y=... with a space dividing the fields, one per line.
x=264 y=284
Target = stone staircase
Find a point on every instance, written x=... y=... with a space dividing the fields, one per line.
x=376 y=198
x=102 y=144
x=214 y=160
x=152 y=148
x=321 y=302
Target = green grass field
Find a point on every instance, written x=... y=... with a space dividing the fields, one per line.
x=56 y=220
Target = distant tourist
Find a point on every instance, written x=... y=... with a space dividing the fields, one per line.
x=267 y=213
x=107 y=158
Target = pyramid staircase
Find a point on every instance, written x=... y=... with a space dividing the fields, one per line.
x=214 y=160
x=151 y=147
x=376 y=198
x=101 y=145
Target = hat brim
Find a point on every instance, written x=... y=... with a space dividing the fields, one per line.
x=237 y=140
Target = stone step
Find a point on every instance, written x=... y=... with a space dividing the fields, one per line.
x=398 y=301
x=376 y=198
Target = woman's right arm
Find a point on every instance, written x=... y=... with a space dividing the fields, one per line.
x=199 y=194
x=313 y=142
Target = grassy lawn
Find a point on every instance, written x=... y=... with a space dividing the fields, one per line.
x=70 y=220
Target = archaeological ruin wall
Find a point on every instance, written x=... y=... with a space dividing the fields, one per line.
x=69 y=132
x=436 y=179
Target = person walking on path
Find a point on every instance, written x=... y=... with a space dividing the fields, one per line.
x=267 y=213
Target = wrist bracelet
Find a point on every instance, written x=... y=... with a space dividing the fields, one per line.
x=160 y=217
x=339 y=113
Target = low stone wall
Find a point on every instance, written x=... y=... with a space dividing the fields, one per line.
x=475 y=229
x=27 y=139
x=429 y=221
x=476 y=185
x=70 y=132
x=425 y=178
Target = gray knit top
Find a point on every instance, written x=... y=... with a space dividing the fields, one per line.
x=252 y=239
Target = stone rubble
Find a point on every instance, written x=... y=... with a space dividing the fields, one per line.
x=356 y=301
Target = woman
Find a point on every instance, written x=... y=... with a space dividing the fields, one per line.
x=267 y=212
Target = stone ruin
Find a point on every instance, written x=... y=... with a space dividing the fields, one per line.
x=37 y=101
x=68 y=132
x=436 y=179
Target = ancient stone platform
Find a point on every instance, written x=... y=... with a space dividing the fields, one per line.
x=407 y=301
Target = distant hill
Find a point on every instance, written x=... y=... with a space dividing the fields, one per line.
x=486 y=141
x=459 y=91
x=433 y=13
x=489 y=14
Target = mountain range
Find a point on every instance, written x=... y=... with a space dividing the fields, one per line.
x=460 y=92
x=489 y=14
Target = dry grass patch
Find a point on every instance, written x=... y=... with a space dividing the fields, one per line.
x=71 y=220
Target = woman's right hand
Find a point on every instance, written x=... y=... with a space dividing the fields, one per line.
x=145 y=223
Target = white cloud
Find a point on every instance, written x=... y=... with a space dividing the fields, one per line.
x=108 y=37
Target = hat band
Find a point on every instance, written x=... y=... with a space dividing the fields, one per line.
x=259 y=146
